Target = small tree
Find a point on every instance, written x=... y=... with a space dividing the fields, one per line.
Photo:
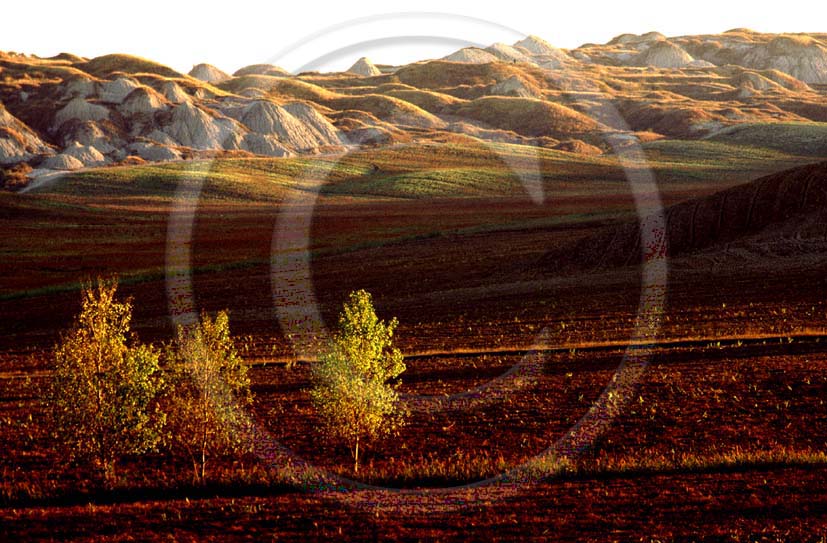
x=210 y=389
x=351 y=390
x=104 y=385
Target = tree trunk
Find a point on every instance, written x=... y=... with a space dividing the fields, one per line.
x=356 y=457
x=109 y=475
x=204 y=432
x=203 y=465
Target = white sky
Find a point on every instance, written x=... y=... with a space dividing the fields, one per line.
x=232 y=34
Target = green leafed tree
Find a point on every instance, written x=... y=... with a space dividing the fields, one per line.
x=209 y=393
x=351 y=389
x=105 y=384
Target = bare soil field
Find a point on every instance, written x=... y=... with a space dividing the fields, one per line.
x=723 y=440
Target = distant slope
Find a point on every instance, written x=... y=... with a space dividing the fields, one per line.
x=783 y=210
x=800 y=138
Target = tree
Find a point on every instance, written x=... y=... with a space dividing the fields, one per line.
x=351 y=389
x=209 y=393
x=105 y=384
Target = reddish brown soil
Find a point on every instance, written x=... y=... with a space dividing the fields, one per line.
x=760 y=505
x=466 y=290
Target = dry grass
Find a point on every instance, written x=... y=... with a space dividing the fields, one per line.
x=714 y=460
x=107 y=65
x=387 y=108
x=7 y=132
x=527 y=116
x=14 y=177
x=240 y=83
x=441 y=74
x=261 y=69
x=296 y=88
x=432 y=102
x=242 y=476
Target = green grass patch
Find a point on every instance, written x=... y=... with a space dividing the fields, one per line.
x=435 y=183
x=700 y=161
x=223 y=179
x=428 y=170
x=804 y=139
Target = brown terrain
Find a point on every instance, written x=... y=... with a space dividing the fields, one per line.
x=493 y=202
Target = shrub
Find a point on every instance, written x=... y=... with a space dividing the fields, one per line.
x=208 y=395
x=105 y=384
x=351 y=390
x=14 y=177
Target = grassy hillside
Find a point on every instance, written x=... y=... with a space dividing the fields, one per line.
x=808 y=139
x=527 y=116
x=226 y=180
x=431 y=171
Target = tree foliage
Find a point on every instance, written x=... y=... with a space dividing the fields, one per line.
x=105 y=384
x=351 y=389
x=209 y=393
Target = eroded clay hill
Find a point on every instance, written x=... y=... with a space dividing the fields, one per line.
x=69 y=112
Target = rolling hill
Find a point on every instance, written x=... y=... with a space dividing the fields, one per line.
x=740 y=88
